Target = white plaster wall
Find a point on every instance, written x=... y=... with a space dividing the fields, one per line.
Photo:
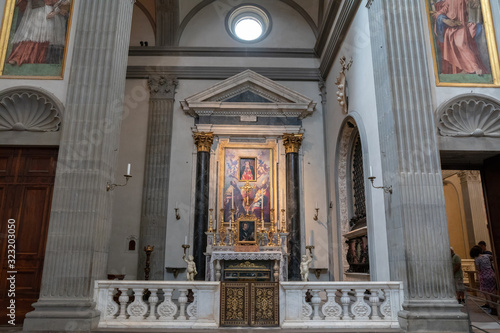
x=207 y=28
x=141 y=29
x=128 y=199
x=58 y=87
x=362 y=106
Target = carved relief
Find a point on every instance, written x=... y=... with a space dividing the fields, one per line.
x=162 y=87
x=342 y=93
x=470 y=116
x=28 y=111
x=137 y=309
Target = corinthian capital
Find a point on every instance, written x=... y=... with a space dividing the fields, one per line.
x=203 y=140
x=292 y=142
x=162 y=87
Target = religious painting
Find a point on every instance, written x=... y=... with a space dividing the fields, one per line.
x=246 y=181
x=463 y=43
x=247 y=169
x=34 y=38
x=246 y=231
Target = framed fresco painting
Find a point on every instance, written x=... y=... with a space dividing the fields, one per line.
x=246 y=231
x=463 y=41
x=246 y=169
x=34 y=38
x=242 y=164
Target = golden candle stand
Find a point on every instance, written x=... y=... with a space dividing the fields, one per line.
x=185 y=247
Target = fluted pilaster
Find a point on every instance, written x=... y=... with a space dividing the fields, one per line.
x=419 y=253
x=473 y=202
x=292 y=143
x=80 y=223
x=156 y=175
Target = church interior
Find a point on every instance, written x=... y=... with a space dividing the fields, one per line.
x=202 y=164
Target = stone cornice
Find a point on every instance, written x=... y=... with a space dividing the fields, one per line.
x=222 y=73
x=340 y=29
x=138 y=51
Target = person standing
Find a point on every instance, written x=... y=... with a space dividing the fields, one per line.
x=487 y=282
x=458 y=275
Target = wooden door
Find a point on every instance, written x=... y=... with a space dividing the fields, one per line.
x=26 y=185
x=491 y=184
x=249 y=304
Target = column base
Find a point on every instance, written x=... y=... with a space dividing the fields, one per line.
x=62 y=315
x=433 y=316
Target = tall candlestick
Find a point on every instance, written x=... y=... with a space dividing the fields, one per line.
x=128 y=169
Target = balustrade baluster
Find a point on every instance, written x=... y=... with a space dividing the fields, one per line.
x=111 y=308
x=167 y=309
x=315 y=301
x=331 y=309
x=123 y=299
x=374 y=300
x=346 y=301
x=360 y=309
x=182 y=304
x=153 y=300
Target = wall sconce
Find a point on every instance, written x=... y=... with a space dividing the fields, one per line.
x=387 y=189
x=111 y=187
x=177 y=215
x=315 y=217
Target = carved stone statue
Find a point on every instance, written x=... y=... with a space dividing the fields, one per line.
x=304 y=267
x=191 y=267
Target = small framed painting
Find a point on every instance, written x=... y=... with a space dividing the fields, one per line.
x=246 y=231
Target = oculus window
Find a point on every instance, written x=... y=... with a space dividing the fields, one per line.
x=248 y=23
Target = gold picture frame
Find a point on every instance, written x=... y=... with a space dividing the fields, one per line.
x=476 y=65
x=23 y=58
x=246 y=169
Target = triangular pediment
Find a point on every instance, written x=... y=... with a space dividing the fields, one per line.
x=249 y=93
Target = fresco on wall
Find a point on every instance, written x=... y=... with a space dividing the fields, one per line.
x=463 y=42
x=34 y=38
x=242 y=165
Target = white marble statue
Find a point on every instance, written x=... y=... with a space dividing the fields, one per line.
x=304 y=267
x=191 y=267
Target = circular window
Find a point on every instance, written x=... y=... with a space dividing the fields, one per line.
x=248 y=23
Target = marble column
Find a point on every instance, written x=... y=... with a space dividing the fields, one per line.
x=156 y=175
x=292 y=144
x=417 y=230
x=203 y=142
x=80 y=223
x=474 y=206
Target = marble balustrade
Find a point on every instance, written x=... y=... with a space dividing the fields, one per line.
x=328 y=305
x=160 y=304
x=341 y=304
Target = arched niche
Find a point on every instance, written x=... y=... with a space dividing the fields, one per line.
x=30 y=117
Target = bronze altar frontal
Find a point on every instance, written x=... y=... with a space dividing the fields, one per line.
x=247 y=271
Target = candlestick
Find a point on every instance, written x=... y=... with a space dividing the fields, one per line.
x=128 y=169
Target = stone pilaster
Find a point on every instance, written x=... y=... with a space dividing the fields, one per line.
x=416 y=220
x=292 y=144
x=167 y=22
x=475 y=213
x=156 y=175
x=203 y=142
x=80 y=223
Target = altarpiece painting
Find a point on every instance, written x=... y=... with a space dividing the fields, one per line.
x=242 y=165
x=34 y=38
x=463 y=43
